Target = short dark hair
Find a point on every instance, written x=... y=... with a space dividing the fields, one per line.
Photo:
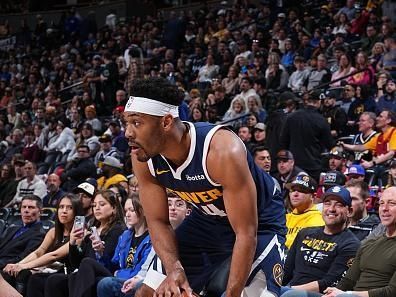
x=159 y=89
x=260 y=148
x=362 y=185
x=39 y=202
x=84 y=146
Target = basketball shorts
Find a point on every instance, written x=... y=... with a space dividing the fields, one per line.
x=206 y=243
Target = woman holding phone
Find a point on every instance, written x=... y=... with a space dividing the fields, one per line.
x=87 y=248
x=54 y=248
x=133 y=247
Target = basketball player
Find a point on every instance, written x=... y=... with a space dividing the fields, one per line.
x=238 y=212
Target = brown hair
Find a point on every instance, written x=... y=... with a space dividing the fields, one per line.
x=117 y=218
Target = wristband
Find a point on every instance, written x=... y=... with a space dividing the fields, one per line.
x=380 y=89
x=374 y=163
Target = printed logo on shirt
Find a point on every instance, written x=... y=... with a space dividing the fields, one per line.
x=195 y=177
x=277 y=272
x=159 y=172
x=319 y=244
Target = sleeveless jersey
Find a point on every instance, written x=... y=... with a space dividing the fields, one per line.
x=192 y=183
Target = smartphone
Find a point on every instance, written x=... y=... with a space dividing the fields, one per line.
x=79 y=222
x=95 y=233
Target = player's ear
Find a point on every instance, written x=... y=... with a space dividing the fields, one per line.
x=167 y=121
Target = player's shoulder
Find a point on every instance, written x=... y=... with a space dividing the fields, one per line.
x=226 y=141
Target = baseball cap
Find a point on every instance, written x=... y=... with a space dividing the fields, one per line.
x=86 y=188
x=303 y=181
x=119 y=108
x=284 y=155
x=112 y=162
x=340 y=193
x=356 y=169
x=331 y=94
x=97 y=57
x=105 y=138
x=337 y=151
x=259 y=126
x=281 y=15
x=334 y=178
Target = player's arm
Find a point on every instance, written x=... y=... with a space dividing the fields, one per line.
x=155 y=204
x=227 y=165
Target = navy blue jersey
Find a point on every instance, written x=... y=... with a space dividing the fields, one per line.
x=192 y=183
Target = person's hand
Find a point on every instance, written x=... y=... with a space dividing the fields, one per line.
x=97 y=245
x=332 y=292
x=9 y=268
x=173 y=285
x=76 y=236
x=381 y=82
x=14 y=269
x=129 y=284
x=367 y=164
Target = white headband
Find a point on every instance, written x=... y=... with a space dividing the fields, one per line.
x=151 y=107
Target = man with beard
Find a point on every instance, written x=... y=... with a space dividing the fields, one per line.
x=320 y=256
x=54 y=192
x=79 y=169
x=287 y=170
x=360 y=222
x=337 y=159
x=184 y=157
x=111 y=169
x=87 y=191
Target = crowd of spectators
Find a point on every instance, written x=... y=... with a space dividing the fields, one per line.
x=309 y=90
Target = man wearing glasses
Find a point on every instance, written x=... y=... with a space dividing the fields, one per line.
x=79 y=169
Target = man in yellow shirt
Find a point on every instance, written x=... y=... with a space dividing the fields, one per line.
x=112 y=174
x=305 y=213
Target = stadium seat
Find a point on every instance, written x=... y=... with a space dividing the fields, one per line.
x=14 y=219
x=2 y=226
x=48 y=213
x=48 y=224
x=5 y=213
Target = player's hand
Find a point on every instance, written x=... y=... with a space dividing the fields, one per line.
x=174 y=284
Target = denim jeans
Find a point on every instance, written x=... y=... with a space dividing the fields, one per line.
x=298 y=293
x=110 y=287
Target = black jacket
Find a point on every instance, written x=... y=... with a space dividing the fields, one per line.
x=14 y=250
x=76 y=172
x=307 y=134
x=365 y=226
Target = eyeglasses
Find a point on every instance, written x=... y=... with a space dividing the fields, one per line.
x=82 y=152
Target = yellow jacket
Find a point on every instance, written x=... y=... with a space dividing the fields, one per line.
x=104 y=184
x=312 y=217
